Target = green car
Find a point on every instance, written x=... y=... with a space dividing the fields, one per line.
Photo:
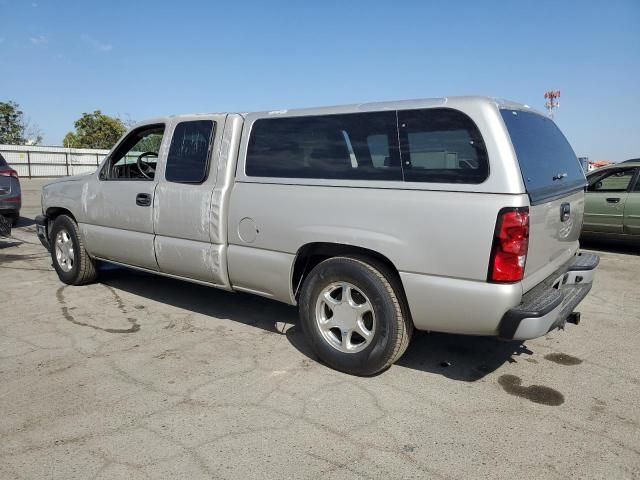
x=612 y=202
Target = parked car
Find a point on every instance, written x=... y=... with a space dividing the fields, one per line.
x=10 y=193
x=612 y=201
x=456 y=215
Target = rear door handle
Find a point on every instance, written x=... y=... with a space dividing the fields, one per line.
x=143 y=199
x=613 y=200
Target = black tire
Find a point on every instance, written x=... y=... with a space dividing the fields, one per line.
x=393 y=328
x=83 y=268
x=15 y=218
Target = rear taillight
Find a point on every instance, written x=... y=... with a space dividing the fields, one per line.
x=510 y=244
x=8 y=172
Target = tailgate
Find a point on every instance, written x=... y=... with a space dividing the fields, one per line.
x=555 y=182
x=5 y=186
x=553 y=237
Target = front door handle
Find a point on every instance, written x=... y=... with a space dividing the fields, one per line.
x=613 y=200
x=143 y=199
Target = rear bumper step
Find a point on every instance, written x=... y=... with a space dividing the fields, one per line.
x=585 y=261
x=551 y=304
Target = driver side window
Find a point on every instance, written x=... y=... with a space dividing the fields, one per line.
x=136 y=157
x=616 y=181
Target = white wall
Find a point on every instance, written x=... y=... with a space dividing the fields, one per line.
x=32 y=161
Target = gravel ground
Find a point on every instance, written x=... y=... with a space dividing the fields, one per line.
x=148 y=377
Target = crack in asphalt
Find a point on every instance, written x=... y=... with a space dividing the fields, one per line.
x=68 y=316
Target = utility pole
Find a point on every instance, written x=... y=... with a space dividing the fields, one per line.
x=552 y=101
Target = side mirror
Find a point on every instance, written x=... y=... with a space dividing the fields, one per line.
x=594 y=186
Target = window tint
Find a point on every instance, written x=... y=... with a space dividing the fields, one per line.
x=617 y=181
x=346 y=146
x=188 y=159
x=441 y=145
x=136 y=157
x=637 y=187
x=379 y=149
x=3 y=162
x=548 y=164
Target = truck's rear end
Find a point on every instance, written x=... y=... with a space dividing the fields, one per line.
x=10 y=194
x=538 y=245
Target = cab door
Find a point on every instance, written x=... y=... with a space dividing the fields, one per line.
x=632 y=208
x=118 y=201
x=605 y=200
x=183 y=213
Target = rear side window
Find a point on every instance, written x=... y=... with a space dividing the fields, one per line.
x=441 y=145
x=190 y=151
x=548 y=164
x=430 y=145
x=356 y=146
x=3 y=162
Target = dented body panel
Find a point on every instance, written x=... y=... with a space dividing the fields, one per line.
x=182 y=217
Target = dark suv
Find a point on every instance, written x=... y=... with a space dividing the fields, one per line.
x=10 y=193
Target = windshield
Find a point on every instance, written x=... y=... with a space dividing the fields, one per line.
x=548 y=164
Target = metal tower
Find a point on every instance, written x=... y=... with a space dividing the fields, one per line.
x=552 y=101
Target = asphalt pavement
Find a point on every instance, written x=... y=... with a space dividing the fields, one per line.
x=141 y=376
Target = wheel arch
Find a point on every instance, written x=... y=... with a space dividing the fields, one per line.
x=311 y=254
x=54 y=212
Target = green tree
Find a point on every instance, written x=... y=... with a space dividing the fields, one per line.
x=150 y=143
x=95 y=130
x=15 y=129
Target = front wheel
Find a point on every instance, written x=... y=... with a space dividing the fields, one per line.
x=69 y=257
x=353 y=315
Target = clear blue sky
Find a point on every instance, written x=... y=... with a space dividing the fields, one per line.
x=146 y=58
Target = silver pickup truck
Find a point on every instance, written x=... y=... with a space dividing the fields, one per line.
x=456 y=215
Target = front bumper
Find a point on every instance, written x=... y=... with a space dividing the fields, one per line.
x=42 y=229
x=550 y=304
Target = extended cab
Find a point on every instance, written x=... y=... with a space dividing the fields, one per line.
x=457 y=215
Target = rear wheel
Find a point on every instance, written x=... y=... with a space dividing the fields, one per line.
x=353 y=315
x=70 y=258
